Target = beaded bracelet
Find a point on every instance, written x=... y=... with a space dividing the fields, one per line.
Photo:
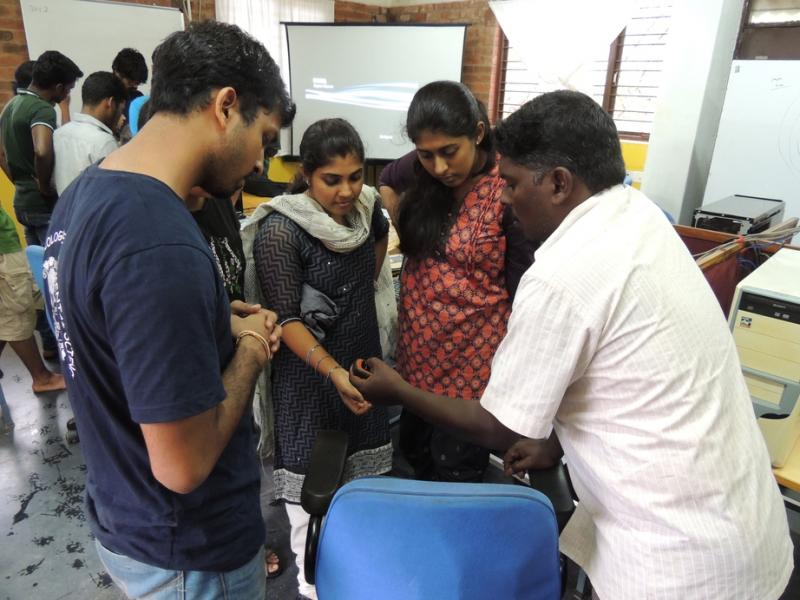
x=259 y=337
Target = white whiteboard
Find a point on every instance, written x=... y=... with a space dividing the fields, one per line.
x=757 y=152
x=91 y=32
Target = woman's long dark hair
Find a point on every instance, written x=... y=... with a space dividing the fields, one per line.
x=425 y=210
x=322 y=142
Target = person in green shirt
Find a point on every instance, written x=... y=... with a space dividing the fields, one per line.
x=26 y=151
x=26 y=141
x=17 y=312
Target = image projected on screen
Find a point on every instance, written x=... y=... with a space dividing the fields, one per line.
x=384 y=96
x=368 y=75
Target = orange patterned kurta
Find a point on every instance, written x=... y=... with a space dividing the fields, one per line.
x=454 y=309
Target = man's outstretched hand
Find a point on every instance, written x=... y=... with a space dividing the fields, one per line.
x=383 y=385
x=527 y=454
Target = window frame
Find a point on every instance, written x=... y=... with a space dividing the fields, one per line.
x=779 y=39
x=610 y=90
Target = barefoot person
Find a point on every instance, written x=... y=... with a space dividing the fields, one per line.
x=17 y=311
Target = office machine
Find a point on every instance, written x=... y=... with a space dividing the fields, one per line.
x=765 y=321
x=739 y=214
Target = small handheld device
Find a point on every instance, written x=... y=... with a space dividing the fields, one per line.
x=361 y=368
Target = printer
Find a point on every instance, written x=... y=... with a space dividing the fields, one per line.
x=739 y=214
x=765 y=322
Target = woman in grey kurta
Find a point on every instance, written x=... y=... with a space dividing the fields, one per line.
x=287 y=258
x=317 y=254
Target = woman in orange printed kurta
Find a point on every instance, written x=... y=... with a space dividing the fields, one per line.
x=455 y=307
x=454 y=298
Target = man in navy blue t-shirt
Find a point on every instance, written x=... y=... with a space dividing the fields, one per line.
x=160 y=373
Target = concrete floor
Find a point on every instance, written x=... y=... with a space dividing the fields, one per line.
x=47 y=550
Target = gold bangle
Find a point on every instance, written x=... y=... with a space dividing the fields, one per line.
x=310 y=352
x=328 y=376
x=321 y=361
x=259 y=337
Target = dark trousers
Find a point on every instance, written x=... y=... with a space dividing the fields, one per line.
x=36 y=225
x=438 y=456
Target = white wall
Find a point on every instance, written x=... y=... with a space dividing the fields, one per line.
x=757 y=150
x=701 y=43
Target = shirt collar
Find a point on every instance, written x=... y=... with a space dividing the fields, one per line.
x=27 y=92
x=89 y=119
x=576 y=214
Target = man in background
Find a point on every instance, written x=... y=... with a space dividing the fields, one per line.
x=17 y=298
x=89 y=136
x=26 y=141
x=17 y=313
x=27 y=155
x=23 y=76
x=131 y=68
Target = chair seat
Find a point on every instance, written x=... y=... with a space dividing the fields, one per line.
x=400 y=539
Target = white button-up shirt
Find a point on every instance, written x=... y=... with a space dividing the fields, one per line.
x=80 y=143
x=617 y=341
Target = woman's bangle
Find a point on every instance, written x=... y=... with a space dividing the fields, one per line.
x=259 y=337
x=320 y=361
x=310 y=352
x=332 y=369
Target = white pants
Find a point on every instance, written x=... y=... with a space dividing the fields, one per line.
x=298 y=519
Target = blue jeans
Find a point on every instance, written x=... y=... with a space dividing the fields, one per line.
x=140 y=580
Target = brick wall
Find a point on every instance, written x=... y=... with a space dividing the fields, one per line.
x=14 y=48
x=354 y=12
x=483 y=43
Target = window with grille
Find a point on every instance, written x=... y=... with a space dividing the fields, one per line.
x=770 y=30
x=625 y=81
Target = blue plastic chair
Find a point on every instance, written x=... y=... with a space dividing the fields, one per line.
x=399 y=539
x=133 y=113
x=35 y=256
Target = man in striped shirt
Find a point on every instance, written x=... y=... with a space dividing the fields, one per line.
x=618 y=352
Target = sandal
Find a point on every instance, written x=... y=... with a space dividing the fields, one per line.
x=273 y=561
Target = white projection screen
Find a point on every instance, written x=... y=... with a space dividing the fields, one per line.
x=367 y=74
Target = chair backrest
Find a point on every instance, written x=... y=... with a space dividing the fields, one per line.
x=401 y=539
x=35 y=256
x=134 y=111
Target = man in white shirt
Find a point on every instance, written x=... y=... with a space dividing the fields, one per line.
x=618 y=352
x=89 y=136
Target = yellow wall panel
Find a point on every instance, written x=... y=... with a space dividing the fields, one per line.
x=634 y=154
x=282 y=171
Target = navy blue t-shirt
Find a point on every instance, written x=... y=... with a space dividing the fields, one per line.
x=143 y=324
